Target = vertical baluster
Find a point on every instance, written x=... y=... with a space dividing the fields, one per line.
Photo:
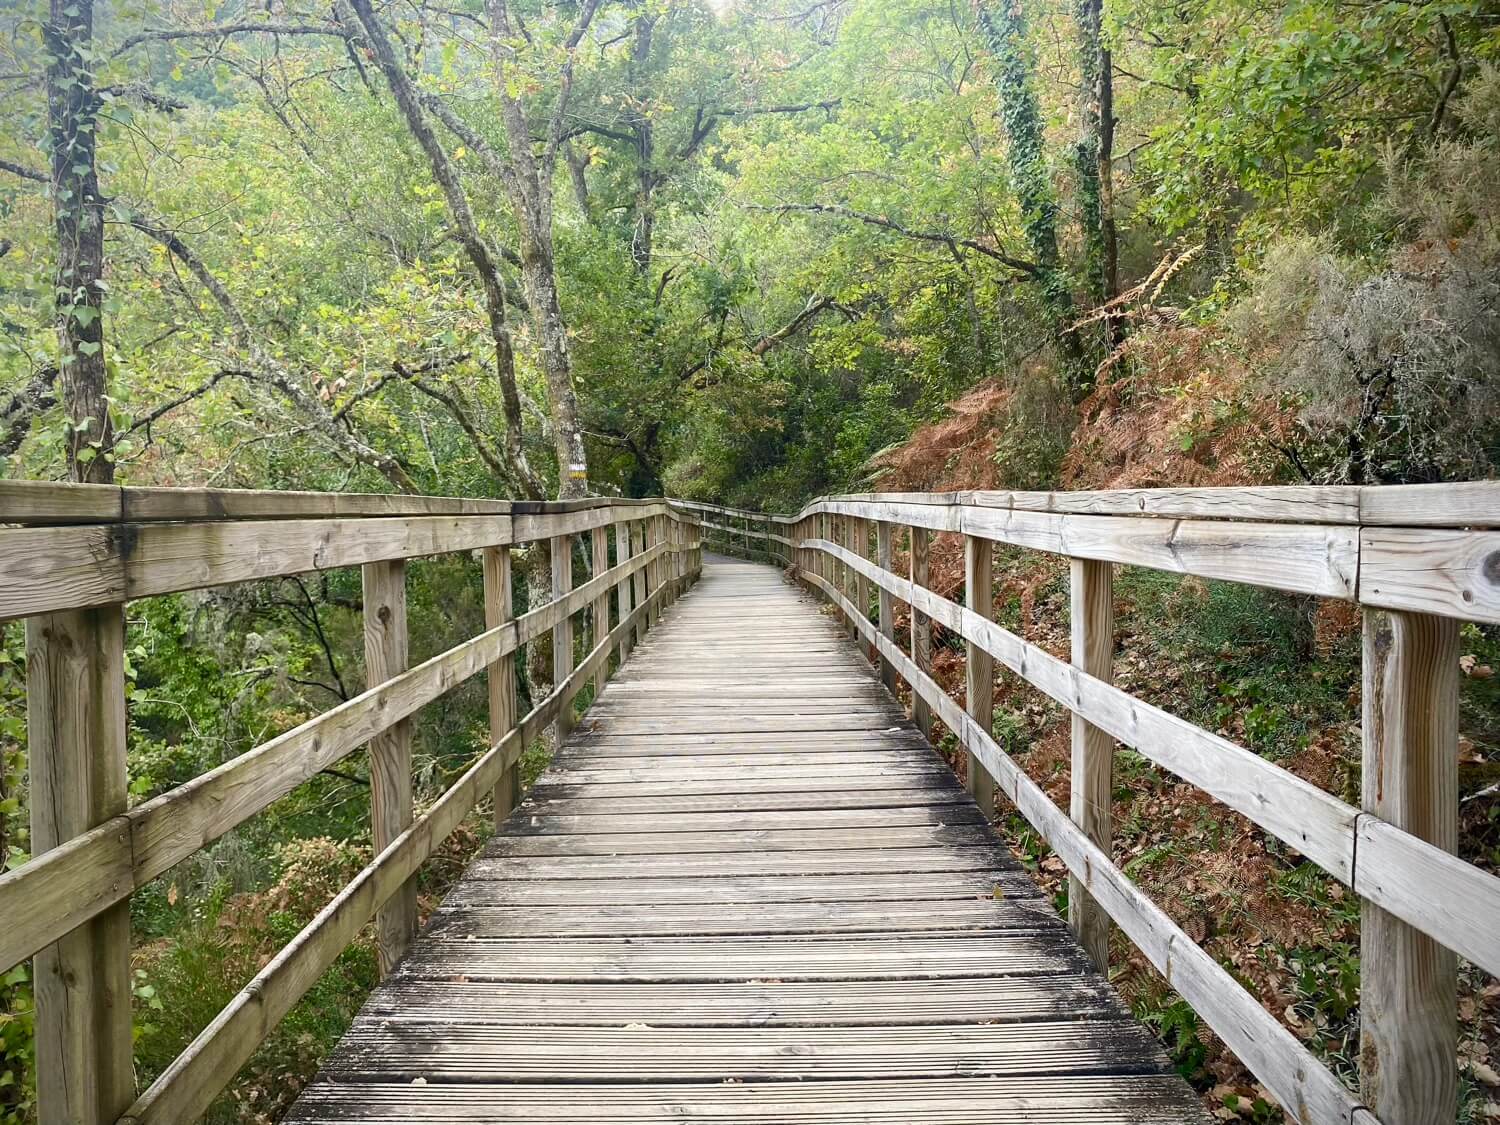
x=848 y=585
x=861 y=583
x=921 y=629
x=75 y=708
x=979 y=582
x=390 y=751
x=650 y=537
x=599 y=557
x=1093 y=628
x=1408 y=982
x=638 y=539
x=562 y=632
x=624 y=552
x=887 y=609
x=499 y=607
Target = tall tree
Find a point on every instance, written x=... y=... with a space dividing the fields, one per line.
x=78 y=220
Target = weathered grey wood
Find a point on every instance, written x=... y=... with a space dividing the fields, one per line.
x=1408 y=982
x=921 y=628
x=187 y=1087
x=1293 y=1074
x=59 y=890
x=1314 y=822
x=887 y=612
x=1431 y=570
x=75 y=706
x=390 y=750
x=638 y=532
x=562 y=632
x=699 y=904
x=979 y=666
x=1092 y=776
x=599 y=625
x=499 y=607
x=625 y=591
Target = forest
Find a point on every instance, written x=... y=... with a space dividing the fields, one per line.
x=749 y=252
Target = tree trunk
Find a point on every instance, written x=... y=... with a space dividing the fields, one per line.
x=1094 y=156
x=529 y=184
x=1004 y=29
x=78 y=216
x=477 y=250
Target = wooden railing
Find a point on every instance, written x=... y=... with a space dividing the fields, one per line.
x=76 y=553
x=1421 y=559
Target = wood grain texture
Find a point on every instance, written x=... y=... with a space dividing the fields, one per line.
x=390 y=750
x=500 y=675
x=192 y=1081
x=979 y=666
x=886 y=615
x=599 y=611
x=1092 y=620
x=921 y=627
x=1408 y=982
x=561 y=548
x=76 y=734
x=783 y=926
x=1293 y=1074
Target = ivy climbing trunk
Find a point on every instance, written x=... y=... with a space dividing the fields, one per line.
x=1004 y=29
x=1094 y=154
x=78 y=217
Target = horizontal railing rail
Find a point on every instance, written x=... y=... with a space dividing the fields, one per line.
x=1420 y=559
x=71 y=557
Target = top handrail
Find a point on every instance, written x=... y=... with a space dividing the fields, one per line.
x=1429 y=548
x=58 y=503
x=1466 y=504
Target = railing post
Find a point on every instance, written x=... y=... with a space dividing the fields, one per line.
x=887 y=609
x=640 y=578
x=1093 y=627
x=921 y=630
x=562 y=632
x=623 y=554
x=499 y=607
x=75 y=708
x=861 y=583
x=1408 y=982
x=650 y=537
x=979 y=591
x=390 y=750
x=844 y=532
x=599 y=557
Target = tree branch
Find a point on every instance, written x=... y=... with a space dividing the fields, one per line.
x=1029 y=269
x=24 y=172
x=19 y=411
x=168 y=34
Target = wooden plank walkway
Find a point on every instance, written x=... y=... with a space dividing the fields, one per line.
x=746 y=891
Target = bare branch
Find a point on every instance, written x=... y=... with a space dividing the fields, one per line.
x=1029 y=269
x=20 y=410
x=169 y=34
x=24 y=172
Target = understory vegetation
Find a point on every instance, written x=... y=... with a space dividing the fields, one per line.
x=749 y=253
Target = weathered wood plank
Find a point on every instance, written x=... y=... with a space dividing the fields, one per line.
x=390 y=750
x=1092 y=614
x=979 y=666
x=1408 y=982
x=76 y=730
x=500 y=675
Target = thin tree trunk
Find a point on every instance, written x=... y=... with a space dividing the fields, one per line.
x=472 y=241
x=78 y=216
x=1004 y=29
x=529 y=183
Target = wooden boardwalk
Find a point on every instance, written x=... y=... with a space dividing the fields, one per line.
x=746 y=891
